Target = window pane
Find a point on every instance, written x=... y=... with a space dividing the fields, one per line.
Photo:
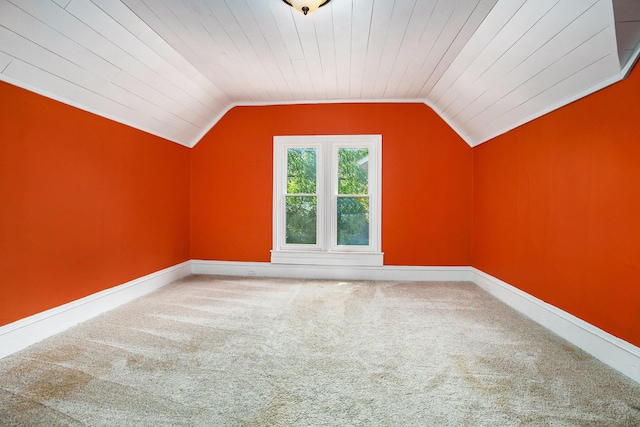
x=301 y=171
x=301 y=220
x=353 y=170
x=353 y=221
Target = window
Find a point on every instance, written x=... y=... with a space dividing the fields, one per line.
x=326 y=200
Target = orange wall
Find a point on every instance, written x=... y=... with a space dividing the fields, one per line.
x=426 y=180
x=85 y=203
x=557 y=208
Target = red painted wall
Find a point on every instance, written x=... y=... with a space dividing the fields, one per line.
x=557 y=208
x=426 y=180
x=85 y=203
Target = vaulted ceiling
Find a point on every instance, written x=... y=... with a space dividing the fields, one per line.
x=174 y=67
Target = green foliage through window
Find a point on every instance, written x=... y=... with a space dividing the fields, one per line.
x=301 y=171
x=301 y=211
x=352 y=204
x=353 y=212
x=353 y=173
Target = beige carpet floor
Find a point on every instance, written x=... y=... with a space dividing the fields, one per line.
x=225 y=351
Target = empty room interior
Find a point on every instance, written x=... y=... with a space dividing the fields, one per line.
x=344 y=212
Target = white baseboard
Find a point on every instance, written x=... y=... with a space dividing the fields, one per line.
x=30 y=330
x=615 y=352
x=387 y=272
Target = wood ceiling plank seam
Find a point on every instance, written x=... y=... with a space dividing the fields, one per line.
x=410 y=46
x=444 y=59
x=430 y=33
x=341 y=14
x=545 y=55
x=169 y=38
x=484 y=73
x=25 y=24
x=556 y=71
x=266 y=22
x=197 y=73
x=126 y=97
x=128 y=19
x=135 y=85
x=377 y=36
x=495 y=21
x=159 y=43
x=168 y=89
x=225 y=16
x=189 y=46
x=5 y=60
x=19 y=47
x=282 y=15
x=62 y=3
x=436 y=50
x=36 y=76
x=42 y=58
x=277 y=86
x=206 y=30
x=399 y=25
x=156 y=23
x=183 y=31
x=515 y=29
x=177 y=122
x=66 y=24
x=362 y=13
x=582 y=56
x=217 y=32
x=222 y=69
x=570 y=89
x=462 y=38
x=167 y=128
x=302 y=71
x=69 y=26
x=323 y=26
x=307 y=36
x=288 y=48
x=565 y=30
x=260 y=37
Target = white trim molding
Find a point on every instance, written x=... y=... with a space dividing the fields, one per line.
x=30 y=330
x=327 y=258
x=613 y=351
x=387 y=272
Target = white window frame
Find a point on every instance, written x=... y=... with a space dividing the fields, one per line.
x=326 y=251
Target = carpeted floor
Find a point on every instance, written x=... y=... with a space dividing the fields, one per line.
x=224 y=351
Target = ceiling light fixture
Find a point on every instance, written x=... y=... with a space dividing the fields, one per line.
x=306 y=6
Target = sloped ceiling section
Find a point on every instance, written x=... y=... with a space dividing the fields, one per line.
x=174 y=67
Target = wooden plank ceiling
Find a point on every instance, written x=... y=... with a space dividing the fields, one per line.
x=174 y=67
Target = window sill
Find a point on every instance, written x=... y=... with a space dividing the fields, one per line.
x=361 y=259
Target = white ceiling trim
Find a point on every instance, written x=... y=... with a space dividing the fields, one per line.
x=311 y=102
x=548 y=109
x=56 y=97
x=192 y=143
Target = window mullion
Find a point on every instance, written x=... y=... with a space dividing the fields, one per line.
x=327 y=196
